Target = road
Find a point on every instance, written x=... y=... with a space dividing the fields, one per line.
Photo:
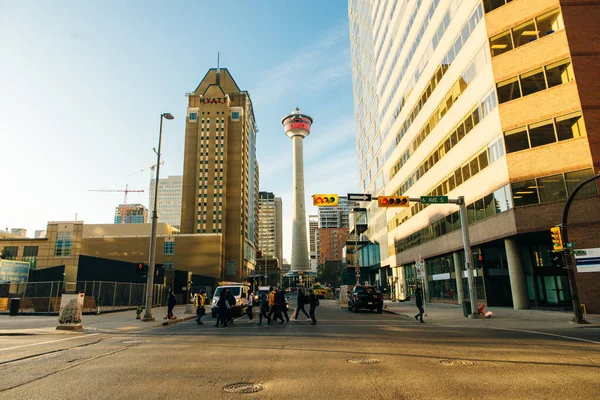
x=408 y=360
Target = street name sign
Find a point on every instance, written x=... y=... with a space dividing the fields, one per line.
x=434 y=199
x=359 y=196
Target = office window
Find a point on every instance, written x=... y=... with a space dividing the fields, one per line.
x=193 y=116
x=532 y=82
x=541 y=133
x=508 y=90
x=559 y=73
x=63 y=244
x=525 y=193
x=573 y=179
x=552 y=188
x=170 y=264
x=10 y=252
x=501 y=43
x=235 y=116
x=490 y=5
x=516 y=140
x=549 y=23
x=570 y=126
x=30 y=251
x=169 y=248
x=524 y=33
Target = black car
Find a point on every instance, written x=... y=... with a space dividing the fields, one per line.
x=365 y=297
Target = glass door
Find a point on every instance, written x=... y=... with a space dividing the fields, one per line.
x=551 y=289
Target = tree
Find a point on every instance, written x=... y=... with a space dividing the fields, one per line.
x=330 y=272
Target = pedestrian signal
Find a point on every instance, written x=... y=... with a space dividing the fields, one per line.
x=557 y=242
x=393 y=201
x=325 y=200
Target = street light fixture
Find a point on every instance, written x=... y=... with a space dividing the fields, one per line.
x=148 y=312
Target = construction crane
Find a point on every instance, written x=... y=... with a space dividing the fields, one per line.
x=127 y=190
x=151 y=168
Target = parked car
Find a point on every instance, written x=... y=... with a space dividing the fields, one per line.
x=365 y=297
x=239 y=291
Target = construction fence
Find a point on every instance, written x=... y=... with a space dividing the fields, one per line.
x=100 y=296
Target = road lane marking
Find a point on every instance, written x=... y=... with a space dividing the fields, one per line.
x=49 y=341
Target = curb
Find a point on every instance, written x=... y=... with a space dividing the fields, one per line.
x=176 y=321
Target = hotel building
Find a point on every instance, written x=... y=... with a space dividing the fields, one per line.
x=492 y=100
x=220 y=171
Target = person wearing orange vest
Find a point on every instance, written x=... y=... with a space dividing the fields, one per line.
x=200 y=311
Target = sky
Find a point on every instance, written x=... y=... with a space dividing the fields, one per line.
x=83 y=84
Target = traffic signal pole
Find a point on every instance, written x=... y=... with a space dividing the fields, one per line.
x=568 y=252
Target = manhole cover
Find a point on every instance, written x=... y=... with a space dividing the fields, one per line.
x=456 y=363
x=243 y=387
x=363 y=361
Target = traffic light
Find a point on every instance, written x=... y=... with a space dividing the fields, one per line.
x=393 y=201
x=141 y=269
x=557 y=242
x=325 y=200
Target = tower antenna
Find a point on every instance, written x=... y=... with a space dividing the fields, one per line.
x=218 y=62
x=296 y=99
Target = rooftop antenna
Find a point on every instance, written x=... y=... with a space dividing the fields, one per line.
x=218 y=69
x=297 y=100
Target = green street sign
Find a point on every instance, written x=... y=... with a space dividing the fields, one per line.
x=434 y=199
x=571 y=244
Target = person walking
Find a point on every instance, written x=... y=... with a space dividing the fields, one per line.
x=419 y=304
x=314 y=303
x=172 y=300
x=222 y=306
x=231 y=303
x=301 y=303
x=282 y=305
x=274 y=313
x=264 y=310
x=200 y=300
x=250 y=304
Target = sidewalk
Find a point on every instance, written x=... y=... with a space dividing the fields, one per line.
x=124 y=321
x=503 y=318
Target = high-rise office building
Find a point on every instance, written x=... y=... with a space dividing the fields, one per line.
x=336 y=217
x=169 y=199
x=133 y=213
x=220 y=171
x=269 y=225
x=492 y=100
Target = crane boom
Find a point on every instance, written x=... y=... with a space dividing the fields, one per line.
x=126 y=190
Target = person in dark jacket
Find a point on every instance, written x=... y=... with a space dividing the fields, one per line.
x=281 y=301
x=231 y=300
x=313 y=302
x=222 y=310
x=172 y=300
x=301 y=303
x=264 y=309
x=419 y=304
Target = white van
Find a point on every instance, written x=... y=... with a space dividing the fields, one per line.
x=239 y=291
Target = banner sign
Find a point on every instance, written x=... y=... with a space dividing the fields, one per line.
x=587 y=260
x=14 y=271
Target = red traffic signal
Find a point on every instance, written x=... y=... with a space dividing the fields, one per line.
x=393 y=201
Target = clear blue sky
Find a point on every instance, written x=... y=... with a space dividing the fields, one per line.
x=83 y=83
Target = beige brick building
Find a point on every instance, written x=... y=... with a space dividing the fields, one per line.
x=493 y=100
x=220 y=171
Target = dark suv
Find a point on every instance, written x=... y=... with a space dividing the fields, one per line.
x=365 y=297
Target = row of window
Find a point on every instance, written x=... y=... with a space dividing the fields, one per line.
x=205 y=230
x=545 y=132
x=473 y=118
x=215 y=130
x=534 y=81
x=459 y=41
x=63 y=244
x=169 y=248
x=527 y=32
x=488 y=155
x=491 y=5
x=552 y=188
x=475 y=67
x=486 y=207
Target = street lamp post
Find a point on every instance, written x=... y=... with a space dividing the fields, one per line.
x=151 y=261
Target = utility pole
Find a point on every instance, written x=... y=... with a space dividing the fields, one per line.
x=148 y=311
x=464 y=225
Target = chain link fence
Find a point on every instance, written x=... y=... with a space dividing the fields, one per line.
x=100 y=296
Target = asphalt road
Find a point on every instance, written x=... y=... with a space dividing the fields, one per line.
x=411 y=361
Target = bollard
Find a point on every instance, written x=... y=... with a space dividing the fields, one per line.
x=138 y=312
